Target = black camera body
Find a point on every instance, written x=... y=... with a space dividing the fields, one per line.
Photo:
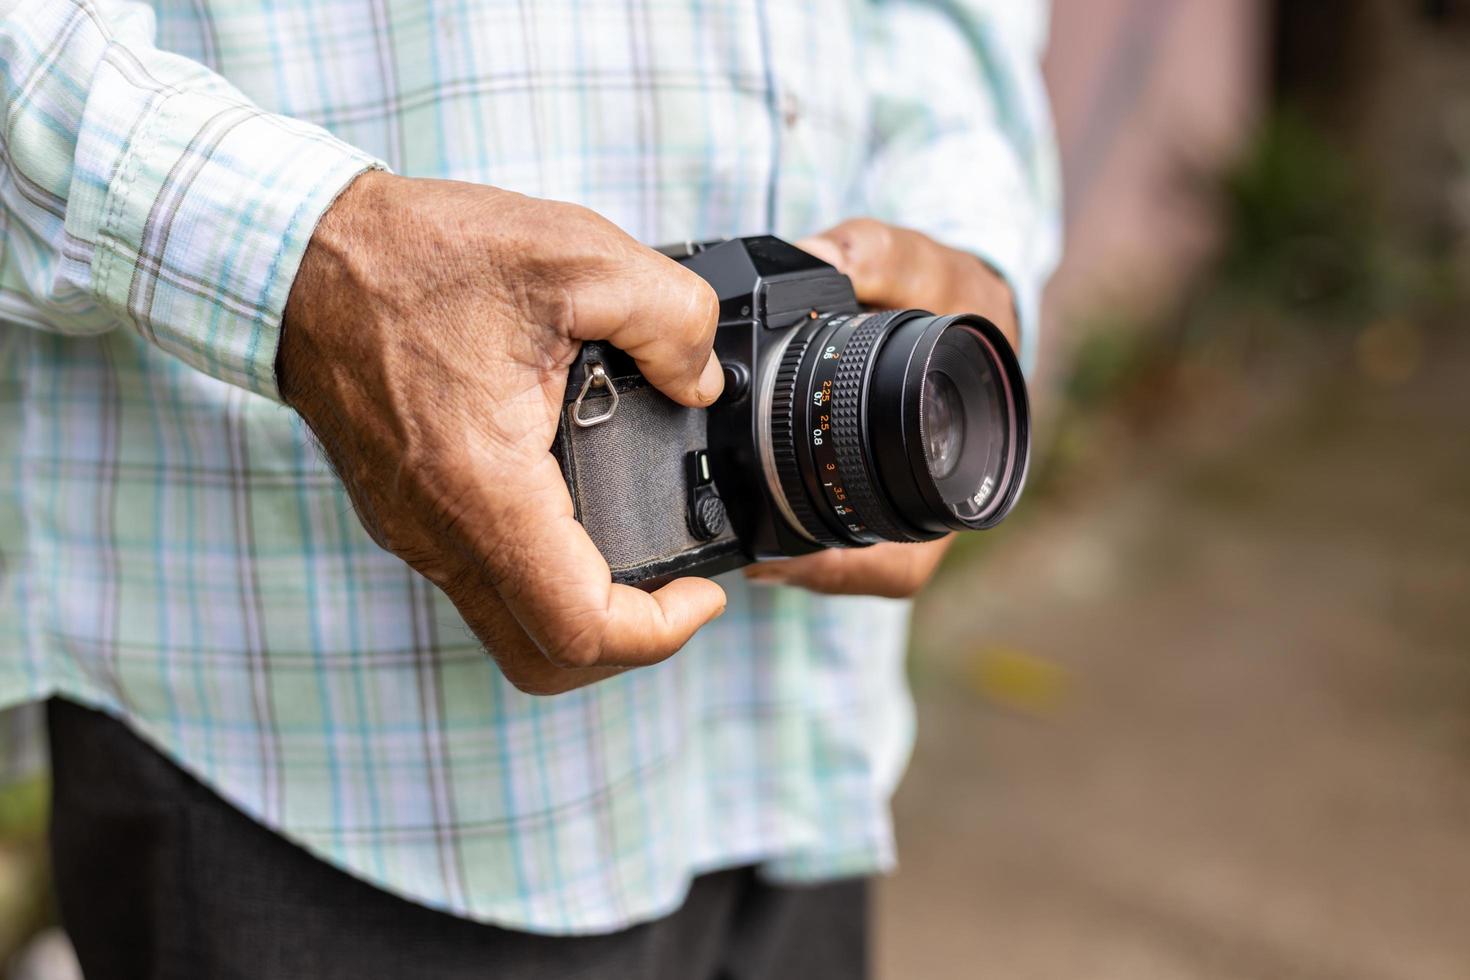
x=828 y=411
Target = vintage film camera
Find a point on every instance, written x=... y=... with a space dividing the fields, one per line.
x=839 y=426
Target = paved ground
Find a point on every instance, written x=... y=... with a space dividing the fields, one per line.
x=1212 y=722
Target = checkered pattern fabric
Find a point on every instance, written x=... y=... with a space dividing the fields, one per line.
x=173 y=550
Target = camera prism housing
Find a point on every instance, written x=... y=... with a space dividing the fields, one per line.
x=839 y=426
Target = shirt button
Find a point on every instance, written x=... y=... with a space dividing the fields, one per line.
x=790 y=110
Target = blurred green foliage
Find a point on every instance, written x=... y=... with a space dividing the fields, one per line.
x=1310 y=241
x=1303 y=231
x=1308 y=263
x=23 y=808
x=26 y=905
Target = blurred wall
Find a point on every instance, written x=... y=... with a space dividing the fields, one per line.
x=1390 y=80
x=1152 y=98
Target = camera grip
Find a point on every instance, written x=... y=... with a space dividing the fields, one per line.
x=629 y=476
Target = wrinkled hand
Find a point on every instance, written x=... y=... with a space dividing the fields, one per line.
x=893 y=268
x=427 y=340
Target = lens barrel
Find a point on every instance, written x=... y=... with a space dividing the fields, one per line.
x=896 y=426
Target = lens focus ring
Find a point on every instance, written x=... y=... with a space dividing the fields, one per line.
x=847 y=429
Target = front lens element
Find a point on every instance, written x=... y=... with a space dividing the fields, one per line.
x=965 y=361
x=943 y=422
x=896 y=426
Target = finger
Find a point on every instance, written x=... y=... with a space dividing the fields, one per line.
x=994 y=300
x=518 y=658
x=834 y=572
x=898 y=267
x=824 y=249
x=889 y=266
x=892 y=570
x=556 y=584
x=831 y=572
x=664 y=316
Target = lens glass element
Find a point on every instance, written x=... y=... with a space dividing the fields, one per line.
x=944 y=424
x=965 y=423
x=893 y=425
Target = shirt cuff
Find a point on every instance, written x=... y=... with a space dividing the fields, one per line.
x=206 y=208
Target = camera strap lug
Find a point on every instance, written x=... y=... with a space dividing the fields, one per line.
x=596 y=378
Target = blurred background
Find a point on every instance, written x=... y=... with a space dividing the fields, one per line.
x=1201 y=708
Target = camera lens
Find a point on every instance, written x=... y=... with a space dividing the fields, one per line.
x=896 y=426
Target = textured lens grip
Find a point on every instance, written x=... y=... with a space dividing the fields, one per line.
x=846 y=409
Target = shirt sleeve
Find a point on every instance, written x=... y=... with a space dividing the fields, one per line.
x=962 y=145
x=138 y=187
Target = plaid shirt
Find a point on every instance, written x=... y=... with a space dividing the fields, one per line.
x=173 y=550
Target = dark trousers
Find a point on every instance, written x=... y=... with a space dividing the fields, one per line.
x=159 y=877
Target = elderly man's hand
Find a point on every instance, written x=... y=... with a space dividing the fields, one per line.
x=893 y=268
x=426 y=343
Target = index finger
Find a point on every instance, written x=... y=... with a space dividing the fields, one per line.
x=888 y=266
x=898 y=267
x=664 y=316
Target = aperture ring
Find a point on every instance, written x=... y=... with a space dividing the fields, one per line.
x=849 y=386
x=784 y=441
x=828 y=482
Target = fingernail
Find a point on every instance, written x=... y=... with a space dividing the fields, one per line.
x=711 y=380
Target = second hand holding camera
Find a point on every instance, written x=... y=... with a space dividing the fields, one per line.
x=838 y=426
